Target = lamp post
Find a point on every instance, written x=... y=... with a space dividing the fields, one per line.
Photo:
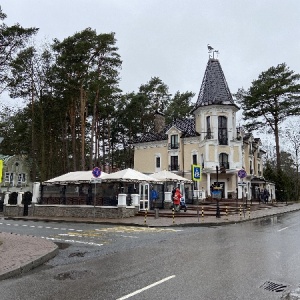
x=218 y=215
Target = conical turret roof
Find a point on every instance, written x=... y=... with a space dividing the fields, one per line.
x=214 y=89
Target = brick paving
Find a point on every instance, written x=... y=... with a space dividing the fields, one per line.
x=20 y=253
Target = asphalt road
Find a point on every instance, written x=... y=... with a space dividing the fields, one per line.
x=253 y=260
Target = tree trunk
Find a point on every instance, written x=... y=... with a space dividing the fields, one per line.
x=276 y=132
x=82 y=125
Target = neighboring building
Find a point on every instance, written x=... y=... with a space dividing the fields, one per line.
x=15 y=174
x=209 y=138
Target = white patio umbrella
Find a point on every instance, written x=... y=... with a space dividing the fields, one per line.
x=167 y=176
x=129 y=175
x=73 y=177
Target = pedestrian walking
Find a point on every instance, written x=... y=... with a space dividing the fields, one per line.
x=176 y=201
x=153 y=198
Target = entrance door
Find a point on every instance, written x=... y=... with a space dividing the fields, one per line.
x=144 y=196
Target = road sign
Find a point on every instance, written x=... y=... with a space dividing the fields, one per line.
x=242 y=173
x=96 y=180
x=96 y=172
x=242 y=183
x=196 y=173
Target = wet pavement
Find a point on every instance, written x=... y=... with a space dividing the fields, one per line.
x=20 y=253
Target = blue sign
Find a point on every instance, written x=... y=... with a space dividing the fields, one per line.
x=196 y=173
x=242 y=173
x=96 y=172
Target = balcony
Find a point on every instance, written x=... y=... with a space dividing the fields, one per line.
x=173 y=167
x=173 y=146
x=208 y=136
x=224 y=165
x=223 y=140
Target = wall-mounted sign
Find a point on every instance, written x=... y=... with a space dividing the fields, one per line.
x=196 y=173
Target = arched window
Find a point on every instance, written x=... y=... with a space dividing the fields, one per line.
x=222 y=130
x=223 y=160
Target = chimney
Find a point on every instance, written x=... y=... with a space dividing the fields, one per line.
x=159 y=122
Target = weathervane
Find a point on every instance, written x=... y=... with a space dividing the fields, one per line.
x=211 y=50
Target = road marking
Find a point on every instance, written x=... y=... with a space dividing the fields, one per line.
x=32 y=226
x=25 y=225
x=16 y=224
x=146 y=288
x=72 y=241
x=284 y=228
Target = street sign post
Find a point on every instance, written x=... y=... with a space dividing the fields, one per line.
x=96 y=173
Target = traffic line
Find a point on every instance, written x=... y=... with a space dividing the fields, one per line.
x=284 y=228
x=71 y=241
x=146 y=288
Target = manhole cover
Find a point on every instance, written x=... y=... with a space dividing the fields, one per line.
x=274 y=287
x=79 y=254
x=72 y=275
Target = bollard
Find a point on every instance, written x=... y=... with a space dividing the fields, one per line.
x=202 y=214
x=173 y=210
x=240 y=211
x=226 y=213
x=145 y=220
x=249 y=212
x=156 y=213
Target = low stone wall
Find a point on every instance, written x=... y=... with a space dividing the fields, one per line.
x=77 y=211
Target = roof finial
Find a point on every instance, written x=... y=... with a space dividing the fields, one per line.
x=217 y=52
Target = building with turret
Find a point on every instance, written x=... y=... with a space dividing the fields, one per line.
x=210 y=138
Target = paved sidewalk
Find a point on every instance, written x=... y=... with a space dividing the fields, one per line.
x=21 y=253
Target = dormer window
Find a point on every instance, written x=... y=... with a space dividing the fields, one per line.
x=222 y=130
x=174 y=141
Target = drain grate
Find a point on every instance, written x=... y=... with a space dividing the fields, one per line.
x=274 y=287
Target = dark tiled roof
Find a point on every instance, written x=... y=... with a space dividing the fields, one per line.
x=214 y=88
x=150 y=137
x=186 y=126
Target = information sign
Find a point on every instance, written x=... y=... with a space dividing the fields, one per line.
x=196 y=173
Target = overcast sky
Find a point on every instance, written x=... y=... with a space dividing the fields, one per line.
x=168 y=38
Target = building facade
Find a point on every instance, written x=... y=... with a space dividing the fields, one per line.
x=228 y=157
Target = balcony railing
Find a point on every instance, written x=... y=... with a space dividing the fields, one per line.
x=223 y=141
x=173 y=167
x=208 y=136
x=173 y=146
x=224 y=165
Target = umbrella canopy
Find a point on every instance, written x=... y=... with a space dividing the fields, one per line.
x=73 y=177
x=129 y=175
x=169 y=176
